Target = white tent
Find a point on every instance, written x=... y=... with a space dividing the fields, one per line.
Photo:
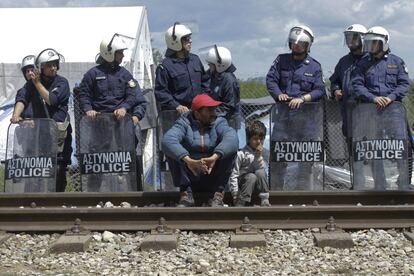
x=76 y=33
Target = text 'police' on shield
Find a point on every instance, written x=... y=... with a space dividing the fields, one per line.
x=107 y=162
x=298 y=151
x=23 y=167
x=379 y=149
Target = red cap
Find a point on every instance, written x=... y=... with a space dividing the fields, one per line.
x=203 y=100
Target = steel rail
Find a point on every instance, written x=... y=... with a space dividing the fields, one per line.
x=206 y=218
x=170 y=198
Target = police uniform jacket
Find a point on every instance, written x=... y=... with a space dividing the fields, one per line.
x=108 y=87
x=141 y=105
x=340 y=79
x=178 y=81
x=226 y=89
x=27 y=112
x=59 y=94
x=187 y=137
x=295 y=78
x=386 y=77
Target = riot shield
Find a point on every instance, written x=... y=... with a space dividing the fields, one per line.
x=31 y=156
x=297 y=150
x=237 y=122
x=166 y=120
x=107 y=154
x=379 y=147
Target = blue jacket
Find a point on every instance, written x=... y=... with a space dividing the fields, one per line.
x=105 y=88
x=186 y=137
x=226 y=89
x=178 y=81
x=59 y=94
x=295 y=78
x=385 y=77
x=140 y=107
x=28 y=111
x=340 y=79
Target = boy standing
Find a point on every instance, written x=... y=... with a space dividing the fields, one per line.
x=249 y=169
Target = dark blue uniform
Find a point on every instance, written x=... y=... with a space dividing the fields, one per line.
x=387 y=77
x=27 y=112
x=59 y=93
x=226 y=89
x=295 y=78
x=140 y=106
x=340 y=80
x=178 y=81
x=106 y=88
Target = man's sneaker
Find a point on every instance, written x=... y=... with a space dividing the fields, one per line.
x=264 y=200
x=217 y=199
x=186 y=200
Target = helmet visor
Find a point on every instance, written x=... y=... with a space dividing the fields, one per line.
x=373 y=46
x=125 y=43
x=353 y=40
x=299 y=35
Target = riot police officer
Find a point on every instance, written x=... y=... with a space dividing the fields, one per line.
x=111 y=88
x=223 y=84
x=181 y=75
x=381 y=77
x=27 y=68
x=48 y=94
x=340 y=80
x=295 y=78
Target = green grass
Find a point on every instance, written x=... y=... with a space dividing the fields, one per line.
x=252 y=89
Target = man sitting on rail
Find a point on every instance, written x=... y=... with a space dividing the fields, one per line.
x=200 y=150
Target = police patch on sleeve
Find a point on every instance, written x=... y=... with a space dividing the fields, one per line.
x=132 y=83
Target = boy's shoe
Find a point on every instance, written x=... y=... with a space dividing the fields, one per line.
x=264 y=200
x=217 y=200
x=186 y=199
x=265 y=203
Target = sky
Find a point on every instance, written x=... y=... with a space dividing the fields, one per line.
x=256 y=31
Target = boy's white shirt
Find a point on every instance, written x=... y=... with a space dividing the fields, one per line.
x=247 y=162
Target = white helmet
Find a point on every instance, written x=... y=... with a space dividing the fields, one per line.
x=220 y=57
x=109 y=47
x=376 y=33
x=48 y=55
x=174 y=34
x=353 y=36
x=27 y=62
x=301 y=34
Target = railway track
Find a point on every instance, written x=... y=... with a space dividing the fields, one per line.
x=290 y=210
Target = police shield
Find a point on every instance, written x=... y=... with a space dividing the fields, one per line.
x=380 y=148
x=167 y=119
x=297 y=151
x=107 y=154
x=31 y=156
